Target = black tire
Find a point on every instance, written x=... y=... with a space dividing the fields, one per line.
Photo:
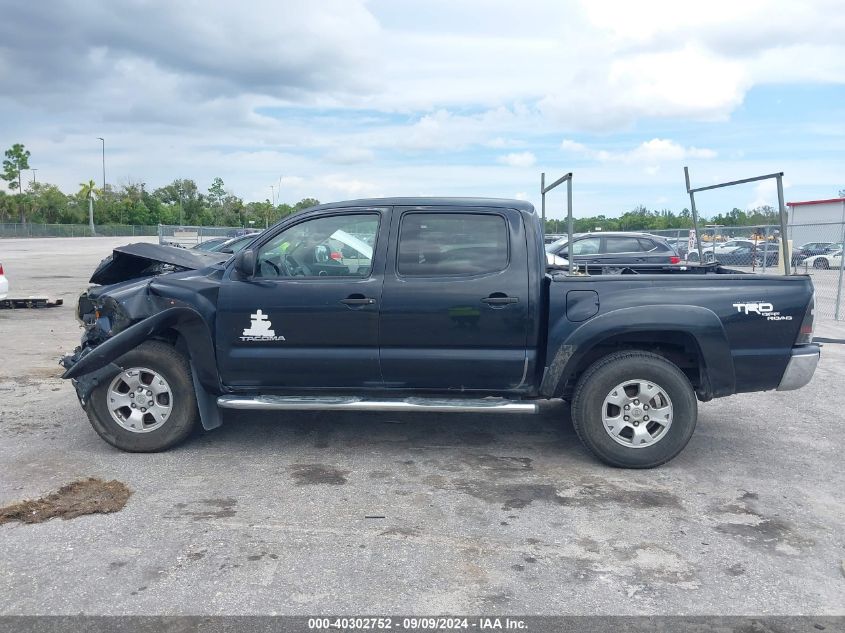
x=175 y=369
x=606 y=373
x=821 y=264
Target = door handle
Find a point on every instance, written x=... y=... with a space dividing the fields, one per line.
x=358 y=300
x=499 y=299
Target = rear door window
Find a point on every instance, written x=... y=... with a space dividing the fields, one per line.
x=439 y=244
x=587 y=246
x=622 y=245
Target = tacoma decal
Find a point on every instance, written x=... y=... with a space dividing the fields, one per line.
x=260 y=329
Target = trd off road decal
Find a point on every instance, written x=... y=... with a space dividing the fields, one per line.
x=763 y=308
x=260 y=329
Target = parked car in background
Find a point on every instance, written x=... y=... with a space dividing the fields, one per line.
x=680 y=245
x=731 y=246
x=750 y=254
x=210 y=244
x=242 y=232
x=810 y=249
x=828 y=260
x=739 y=253
x=4 y=283
x=232 y=245
x=615 y=248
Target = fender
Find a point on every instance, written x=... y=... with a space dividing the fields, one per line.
x=186 y=321
x=701 y=323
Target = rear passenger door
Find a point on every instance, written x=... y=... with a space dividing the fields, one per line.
x=454 y=312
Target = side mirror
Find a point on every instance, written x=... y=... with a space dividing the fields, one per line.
x=245 y=263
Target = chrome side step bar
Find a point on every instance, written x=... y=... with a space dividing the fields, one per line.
x=354 y=403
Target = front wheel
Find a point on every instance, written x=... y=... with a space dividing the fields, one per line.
x=150 y=405
x=634 y=409
x=821 y=263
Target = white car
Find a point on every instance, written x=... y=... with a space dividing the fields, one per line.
x=4 y=284
x=828 y=260
x=729 y=247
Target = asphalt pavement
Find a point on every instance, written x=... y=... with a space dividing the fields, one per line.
x=311 y=513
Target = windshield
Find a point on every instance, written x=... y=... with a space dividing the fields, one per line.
x=556 y=245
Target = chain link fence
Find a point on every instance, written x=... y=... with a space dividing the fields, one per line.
x=815 y=250
x=188 y=236
x=75 y=230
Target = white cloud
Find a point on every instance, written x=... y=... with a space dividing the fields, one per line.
x=350 y=155
x=652 y=152
x=518 y=159
x=355 y=97
x=766 y=194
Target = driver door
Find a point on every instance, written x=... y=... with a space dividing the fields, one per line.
x=308 y=318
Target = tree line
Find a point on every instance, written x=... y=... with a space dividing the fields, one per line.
x=644 y=219
x=181 y=202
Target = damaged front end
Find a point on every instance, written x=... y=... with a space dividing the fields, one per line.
x=103 y=312
x=152 y=291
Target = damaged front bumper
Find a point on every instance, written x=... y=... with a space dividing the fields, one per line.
x=86 y=383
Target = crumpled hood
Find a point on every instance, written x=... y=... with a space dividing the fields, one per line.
x=144 y=260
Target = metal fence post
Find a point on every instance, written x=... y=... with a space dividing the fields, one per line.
x=765 y=248
x=837 y=311
x=572 y=267
x=783 y=237
x=543 y=207
x=694 y=217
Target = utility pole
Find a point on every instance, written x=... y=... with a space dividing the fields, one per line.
x=104 y=163
x=34 y=181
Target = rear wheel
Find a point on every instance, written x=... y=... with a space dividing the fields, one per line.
x=634 y=409
x=821 y=263
x=150 y=405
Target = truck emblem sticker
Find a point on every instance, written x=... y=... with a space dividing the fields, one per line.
x=762 y=308
x=260 y=329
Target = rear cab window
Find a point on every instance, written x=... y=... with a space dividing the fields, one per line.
x=449 y=244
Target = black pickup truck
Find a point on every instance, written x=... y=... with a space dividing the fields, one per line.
x=427 y=304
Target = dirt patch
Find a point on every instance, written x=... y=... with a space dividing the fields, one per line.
x=86 y=496
x=316 y=474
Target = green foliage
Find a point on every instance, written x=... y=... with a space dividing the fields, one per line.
x=216 y=192
x=179 y=202
x=643 y=219
x=17 y=160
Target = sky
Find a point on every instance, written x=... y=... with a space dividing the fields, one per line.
x=340 y=99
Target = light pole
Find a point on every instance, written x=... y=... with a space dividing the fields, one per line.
x=104 y=162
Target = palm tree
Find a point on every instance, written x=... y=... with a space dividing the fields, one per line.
x=89 y=190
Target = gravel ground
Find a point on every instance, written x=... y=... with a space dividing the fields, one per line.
x=311 y=513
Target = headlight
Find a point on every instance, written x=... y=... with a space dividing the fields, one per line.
x=84 y=308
